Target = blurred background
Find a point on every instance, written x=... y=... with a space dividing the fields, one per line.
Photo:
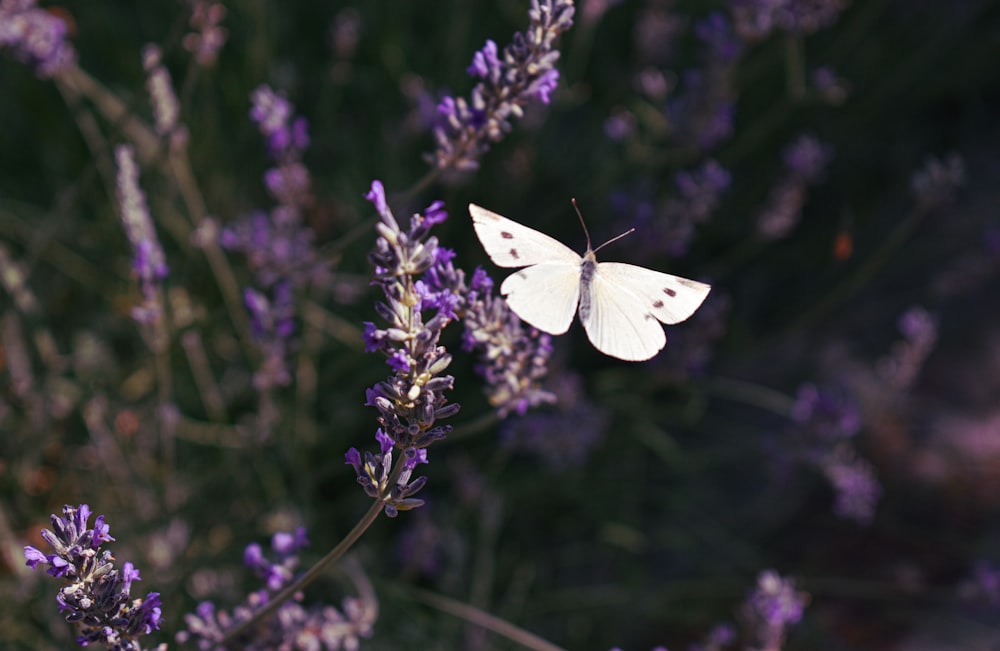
x=832 y=412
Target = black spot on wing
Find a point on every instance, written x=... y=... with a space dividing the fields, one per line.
x=657 y=304
x=513 y=254
x=507 y=236
x=669 y=292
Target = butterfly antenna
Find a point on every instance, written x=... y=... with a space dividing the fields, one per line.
x=582 y=223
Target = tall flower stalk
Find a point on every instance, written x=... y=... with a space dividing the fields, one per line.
x=412 y=400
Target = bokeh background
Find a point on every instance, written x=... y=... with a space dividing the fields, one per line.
x=832 y=412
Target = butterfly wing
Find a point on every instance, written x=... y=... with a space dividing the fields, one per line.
x=671 y=299
x=623 y=305
x=510 y=244
x=544 y=295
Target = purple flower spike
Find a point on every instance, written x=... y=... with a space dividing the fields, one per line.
x=523 y=73
x=97 y=594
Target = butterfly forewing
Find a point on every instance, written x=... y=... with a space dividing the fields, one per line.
x=671 y=299
x=544 y=295
x=619 y=321
x=510 y=244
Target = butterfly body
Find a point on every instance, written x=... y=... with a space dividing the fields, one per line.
x=620 y=305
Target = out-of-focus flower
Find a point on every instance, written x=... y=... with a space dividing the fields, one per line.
x=757 y=19
x=772 y=607
x=35 y=37
x=149 y=263
x=936 y=183
x=208 y=36
x=293 y=626
x=805 y=160
x=906 y=358
x=563 y=436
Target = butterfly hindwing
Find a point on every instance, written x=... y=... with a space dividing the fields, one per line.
x=510 y=244
x=618 y=321
x=544 y=295
x=671 y=299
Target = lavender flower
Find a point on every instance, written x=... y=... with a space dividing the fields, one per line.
x=513 y=358
x=702 y=116
x=805 y=160
x=757 y=19
x=166 y=109
x=96 y=594
x=772 y=607
x=412 y=399
x=982 y=588
x=937 y=182
x=208 y=37
x=718 y=638
x=35 y=37
x=825 y=415
x=149 y=263
x=698 y=194
x=901 y=367
x=272 y=325
x=854 y=483
x=293 y=626
x=561 y=438
x=523 y=73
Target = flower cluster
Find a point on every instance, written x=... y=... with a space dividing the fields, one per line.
x=772 y=607
x=272 y=323
x=35 y=37
x=901 y=367
x=166 y=108
x=278 y=246
x=702 y=115
x=293 y=626
x=412 y=400
x=698 y=194
x=208 y=37
x=149 y=263
x=524 y=72
x=96 y=596
x=805 y=160
x=826 y=421
x=513 y=358
x=757 y=19
x=564 y=436
x=936 y=183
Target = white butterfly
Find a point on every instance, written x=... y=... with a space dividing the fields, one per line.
x=621 y=305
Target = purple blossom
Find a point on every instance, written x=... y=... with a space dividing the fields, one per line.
x=96 y=596
x=670 y=227
x=166 y=108
x=513 y=357
x=149 y=263
x=937 y=182
x=207 y=37
x=772 y=607
x=805 y=160
x=906 y=358
x=757 y=19
x=319 y=627
x=855 y=485
x=35 y=37
x=523 y=73
x=411 y=400
x=825 y=414
x=272 y=325
x=562 y=437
